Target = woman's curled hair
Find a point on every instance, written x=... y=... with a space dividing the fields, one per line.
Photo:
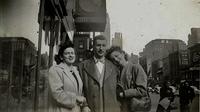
x=115 y=48
x=58 y=57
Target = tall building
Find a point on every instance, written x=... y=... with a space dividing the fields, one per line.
x=106 y=33
x=17 y=69
x=117 y=40
x=194 y=56
x=157 y=50
x=194 y=37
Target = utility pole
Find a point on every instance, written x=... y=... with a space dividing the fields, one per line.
x=41 y=18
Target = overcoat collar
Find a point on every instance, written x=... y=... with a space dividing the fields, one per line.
x=91 y=69
x=67 y=72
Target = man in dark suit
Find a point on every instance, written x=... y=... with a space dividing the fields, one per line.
x=99 y=77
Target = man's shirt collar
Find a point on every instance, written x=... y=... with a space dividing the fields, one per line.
x=102 y=60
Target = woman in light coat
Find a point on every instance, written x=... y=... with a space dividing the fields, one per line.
x=65 y=84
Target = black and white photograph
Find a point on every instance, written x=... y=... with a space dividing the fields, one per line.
x=99 y=55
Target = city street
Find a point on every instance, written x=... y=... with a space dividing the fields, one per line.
x=155 y=98
x=59 y=55
x=154 y=101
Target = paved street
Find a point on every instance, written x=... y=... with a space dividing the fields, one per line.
x=155 y=99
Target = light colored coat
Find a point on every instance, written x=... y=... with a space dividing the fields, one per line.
x=63 y=89
x=91 y=86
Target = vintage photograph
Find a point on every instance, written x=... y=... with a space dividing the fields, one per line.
x=99 y=55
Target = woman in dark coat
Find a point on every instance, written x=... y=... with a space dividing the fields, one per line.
x=166 y=95
x=129 y=72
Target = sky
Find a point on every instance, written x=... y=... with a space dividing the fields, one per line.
x=141 y=21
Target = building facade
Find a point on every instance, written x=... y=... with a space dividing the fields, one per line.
x=158 y=55
x=17 y=74
x=194 y=56
x=194 y=37
x=117 y=40
x=82 y=45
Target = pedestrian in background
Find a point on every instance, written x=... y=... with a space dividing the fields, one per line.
x=65 y=83
x=166 y=97
x=99 y=77
x=186 y=94
x=130 y=73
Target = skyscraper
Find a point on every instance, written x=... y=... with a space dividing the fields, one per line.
x=157 y=51
x=194 y=37
x=194 y=54
x=117 y=40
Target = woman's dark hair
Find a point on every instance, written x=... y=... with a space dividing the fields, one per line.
x=58 y=57
x=115 y=48
x=111 y=50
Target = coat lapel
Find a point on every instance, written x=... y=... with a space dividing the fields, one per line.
x=108 y=70
x=79 y=80
x=91 y=69
x=68 y=74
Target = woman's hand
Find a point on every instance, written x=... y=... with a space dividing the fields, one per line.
x=80 y=100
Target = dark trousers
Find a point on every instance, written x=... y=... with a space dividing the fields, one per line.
x=185 y=108
x=161 y=109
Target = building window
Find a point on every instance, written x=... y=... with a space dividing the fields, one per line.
x=80 y=59
x=80 y=44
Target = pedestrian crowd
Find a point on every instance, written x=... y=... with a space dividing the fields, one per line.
x=167 y=102
x=107 y=82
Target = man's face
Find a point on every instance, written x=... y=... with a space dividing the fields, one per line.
x=99 y=48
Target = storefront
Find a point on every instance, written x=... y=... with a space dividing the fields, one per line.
x=17 y=74
x=194 y=70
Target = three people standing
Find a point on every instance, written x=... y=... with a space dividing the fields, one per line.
x=93 y=87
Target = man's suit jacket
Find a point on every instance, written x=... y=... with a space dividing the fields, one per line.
x=91 y=86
